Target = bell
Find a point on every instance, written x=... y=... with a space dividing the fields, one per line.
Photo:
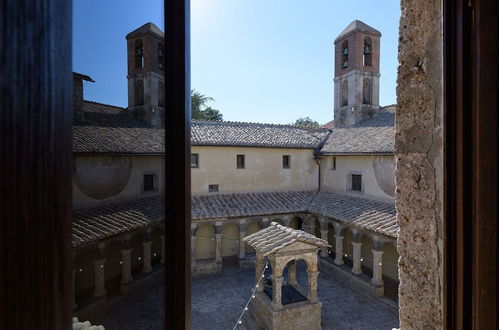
x=345 y=64
x=345 y=51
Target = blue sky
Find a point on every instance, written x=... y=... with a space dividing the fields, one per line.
x=261 y=60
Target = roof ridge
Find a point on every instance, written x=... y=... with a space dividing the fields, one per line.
x=228 y=122
x=107 y=105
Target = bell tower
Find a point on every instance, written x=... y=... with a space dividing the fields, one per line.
x=146 y=75
x=356 y=74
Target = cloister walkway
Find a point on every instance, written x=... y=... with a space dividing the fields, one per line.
x=218 y=299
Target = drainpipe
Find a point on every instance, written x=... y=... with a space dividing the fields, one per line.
x=317 y=161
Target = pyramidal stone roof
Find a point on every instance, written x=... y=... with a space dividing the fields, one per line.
x=144 y=29
x=275 y=237
x=357 y=26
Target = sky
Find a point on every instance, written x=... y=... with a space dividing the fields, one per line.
x=261 y=60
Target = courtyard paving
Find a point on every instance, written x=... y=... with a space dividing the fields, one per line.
x=217 y=301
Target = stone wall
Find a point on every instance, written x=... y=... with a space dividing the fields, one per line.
x=419 y=169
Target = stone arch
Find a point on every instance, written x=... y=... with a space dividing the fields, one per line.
x=252 y=228
x=139 y=54
x=205 y=242
x=366 y=91
x=367 y=51
x=161 y=58
x=296 y=223
x=279 y=221
x=317 y=229
x=331 y=239
x=344 y=93
x=139 y=92
x=366 y=254
x=390 y=260
x=230 y=237
x=161 y=94
x=347 y=246
x=344 y=54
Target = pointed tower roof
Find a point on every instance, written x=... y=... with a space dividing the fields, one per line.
x=357 y=26
x=144 y=29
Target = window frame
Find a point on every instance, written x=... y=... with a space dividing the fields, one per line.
x=195 y=165
x=288 y=165
x=240 y=165
x=213 y=188
x=154 y=182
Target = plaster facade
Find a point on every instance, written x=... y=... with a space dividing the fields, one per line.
x=263 y=170
x=377 y=175
x=101 y=178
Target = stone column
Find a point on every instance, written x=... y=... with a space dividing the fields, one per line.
x=146 y=264
x=312 y=285
x=357 y=248
x=126 y=270
x=218 y=249
x=292 y=274
x=324 y=233
x=99 y=278
x=163 y=250
x=277 y=292
x=259 y=267
x=377 y=267
x=339 y=250
x=74 y=291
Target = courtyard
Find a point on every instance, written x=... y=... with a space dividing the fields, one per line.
x=218 y=299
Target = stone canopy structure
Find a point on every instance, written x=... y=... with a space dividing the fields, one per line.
x=282 y=246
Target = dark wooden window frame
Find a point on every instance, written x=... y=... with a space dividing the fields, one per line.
x=196 y=164
x=36 y=154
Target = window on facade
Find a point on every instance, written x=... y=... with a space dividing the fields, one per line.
x=139 y=92
x=139 y=54
x=367 y=59
x=366 y=91
x=356 y=182
x=148 y=182
x=344 y=93
x=344 y=54
x=194 y=160
x=161 y=94
x=333 y=166
x=161 y=58
x=286 y=161
x=213 y=188
x=240 y=161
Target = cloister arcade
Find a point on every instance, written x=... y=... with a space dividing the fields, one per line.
x=110 y=266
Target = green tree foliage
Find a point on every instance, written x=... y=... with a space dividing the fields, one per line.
x=200 y=109
x=306 y=122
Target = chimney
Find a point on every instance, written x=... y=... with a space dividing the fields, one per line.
x=78 y=95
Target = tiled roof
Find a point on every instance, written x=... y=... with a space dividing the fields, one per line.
x=275 y=237
x=215 y=206
x=90 y=225
x=373 y=136
x=357 y=26
x=146 y=28
x=256 y=135
x=108 y=129
x=93 y=224
x=367 y=214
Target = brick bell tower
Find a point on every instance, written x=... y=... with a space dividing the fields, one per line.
x=356 y=74
x=146 y=75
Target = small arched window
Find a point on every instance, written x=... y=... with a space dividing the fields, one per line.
x=161 y=94
x=366 y=91
x=139 y=92
x=344 y=93
x=344 y=54
x=139 y=54
x=368 y=49
x=161 y=57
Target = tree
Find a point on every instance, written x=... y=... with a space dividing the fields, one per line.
x=306 y=122
x=199 y=107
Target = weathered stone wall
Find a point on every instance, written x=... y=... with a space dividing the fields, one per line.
x=419 y=169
